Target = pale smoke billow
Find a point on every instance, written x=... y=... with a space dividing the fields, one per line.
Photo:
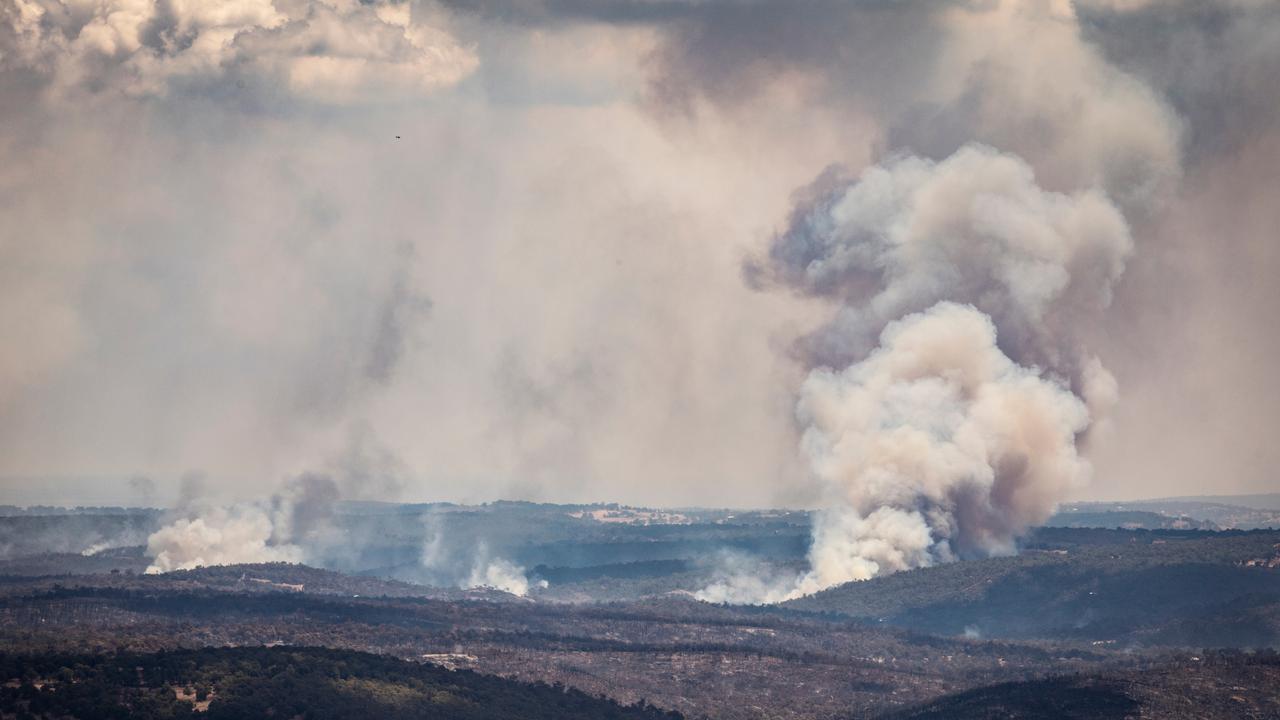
x=973 y=228
x=218 y=536
x=952 y=426
x=743 y=579
x=297 y=525
x=499 y=574
x=936 y=446
x=285 y=529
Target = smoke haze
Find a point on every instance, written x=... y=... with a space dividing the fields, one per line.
x=289 y=527
x=925 y=266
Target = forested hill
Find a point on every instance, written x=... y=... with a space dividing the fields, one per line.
x=282 y=682
x=1181 y=588
x=1209 y=686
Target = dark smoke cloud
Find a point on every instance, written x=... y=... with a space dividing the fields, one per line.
x=921 y=72
x=1200 y=396
x=1214 y=61
x=933 y=441
x=730 y=51
x=870 y=54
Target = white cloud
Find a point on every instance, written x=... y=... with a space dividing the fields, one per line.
x=325 y=51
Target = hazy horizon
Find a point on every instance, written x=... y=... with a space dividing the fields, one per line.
x=117 y=492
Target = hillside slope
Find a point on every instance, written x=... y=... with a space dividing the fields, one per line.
x=280 y=682
x=1220 y=686
x=1189 y=589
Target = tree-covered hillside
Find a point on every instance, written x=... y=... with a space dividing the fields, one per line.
x=1214 y=686
x=1172 y=588
x=306 y=683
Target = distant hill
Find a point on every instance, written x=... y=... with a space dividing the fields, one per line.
x=280 y=682
x=1261 y=501
x=1217 y=686
x=728 y=663
x=1091 y=517
x=1191 y=589
x=74 y=532
x=1170 y=513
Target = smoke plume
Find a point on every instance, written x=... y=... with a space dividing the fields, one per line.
x=936 y=446
x=286 y=528
x=947 y=394
x=451 y=561
x=499 y=574
x=974 y=228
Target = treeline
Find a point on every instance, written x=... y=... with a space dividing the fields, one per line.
x=309 y=683
x=1212 y=685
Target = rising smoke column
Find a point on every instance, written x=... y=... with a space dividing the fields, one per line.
x=451 y=559
x=936 y=446
x=947 y=394
x=285 y=528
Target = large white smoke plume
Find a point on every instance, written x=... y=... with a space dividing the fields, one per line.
x=935 y=446
x=973 y=228
x=947 y=395
x=285 y=528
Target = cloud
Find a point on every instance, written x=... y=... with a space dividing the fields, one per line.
x=338 y=51
x=285 y=528
x=1213 y=61
x=497 y=573
x=934 y=76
